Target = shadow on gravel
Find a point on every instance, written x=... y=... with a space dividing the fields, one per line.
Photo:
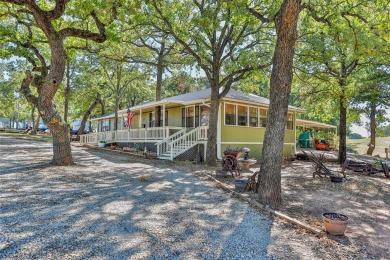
x=119 y=207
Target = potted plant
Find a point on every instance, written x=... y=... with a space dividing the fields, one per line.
x=101 y=144
x=233 y=151
x=335 y=223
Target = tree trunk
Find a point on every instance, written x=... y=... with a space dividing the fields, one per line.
x=67 y=92
x=280 y=88
x=33 y=132
x=371 y=146
x=343 y=128
x=36 y=124
x=211 y=158
x=160 y=72
x=62 y=154
x=87 y=114
x=116 y=112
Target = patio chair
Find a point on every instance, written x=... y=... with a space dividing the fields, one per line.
x=321 y=170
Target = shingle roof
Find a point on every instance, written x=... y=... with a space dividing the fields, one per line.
x=205 y=94
x=232 y=94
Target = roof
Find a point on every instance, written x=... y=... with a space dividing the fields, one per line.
x=204 y=94
x=109 y=115
x=313 y=124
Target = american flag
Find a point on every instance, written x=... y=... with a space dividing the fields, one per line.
x=129 y=118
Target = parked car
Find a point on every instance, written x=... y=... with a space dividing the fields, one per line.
x=42 y=127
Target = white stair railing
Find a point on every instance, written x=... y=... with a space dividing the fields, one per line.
x=162 y=146
x=187 y=141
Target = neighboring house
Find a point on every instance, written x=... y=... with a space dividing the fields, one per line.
x=5 y=122
x=242 y=120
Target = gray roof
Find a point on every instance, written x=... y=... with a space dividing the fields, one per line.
x=232 y=94
x=204 y=94
x=109 y=115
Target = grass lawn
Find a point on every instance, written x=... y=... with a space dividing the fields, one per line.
x=38 y=137
x=360 y=146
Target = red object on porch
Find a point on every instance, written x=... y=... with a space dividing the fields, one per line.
x=129 y=118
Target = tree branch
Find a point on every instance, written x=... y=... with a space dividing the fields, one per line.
x=258 y=15
x=25 y=89
x=58 y=10
x=86 y=34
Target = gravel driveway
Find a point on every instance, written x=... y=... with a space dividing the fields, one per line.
x=103 y=208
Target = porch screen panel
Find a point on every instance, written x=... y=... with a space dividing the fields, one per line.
x=242 y=116
x=166 y=118
x=253 y=116
x=190 y=113
x=230 y=114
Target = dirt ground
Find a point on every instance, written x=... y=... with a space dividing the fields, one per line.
x=364 y=199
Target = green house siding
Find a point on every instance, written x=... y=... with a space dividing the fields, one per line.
x=174 y=116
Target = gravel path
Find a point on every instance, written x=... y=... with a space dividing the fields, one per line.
x=111 y=206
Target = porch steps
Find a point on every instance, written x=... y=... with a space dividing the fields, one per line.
x=179 y=149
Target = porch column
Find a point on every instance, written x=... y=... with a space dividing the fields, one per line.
x=295 y=132
x=219 y=133
x=140 y=119
x=166 y=130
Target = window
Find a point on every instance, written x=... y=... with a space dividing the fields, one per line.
x=230 y=114
x=183 y=117
x=253 y=118
x=190 y=116
x=289 y=123
x=263 y=117
x=196 y=116
x=151 y=119
x=242 y=115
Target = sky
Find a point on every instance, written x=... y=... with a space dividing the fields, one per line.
x=359 y=130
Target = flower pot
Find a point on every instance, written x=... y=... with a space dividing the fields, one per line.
x=336 y=179
x=101 y=145
x=240 y=184
x=335 y=223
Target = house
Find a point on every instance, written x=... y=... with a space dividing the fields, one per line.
x=184 y=118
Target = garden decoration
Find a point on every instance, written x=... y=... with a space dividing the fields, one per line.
x=246 y=162
x=230 y=162
x=246 y=151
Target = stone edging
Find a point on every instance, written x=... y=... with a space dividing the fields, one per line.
x=315 y=231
